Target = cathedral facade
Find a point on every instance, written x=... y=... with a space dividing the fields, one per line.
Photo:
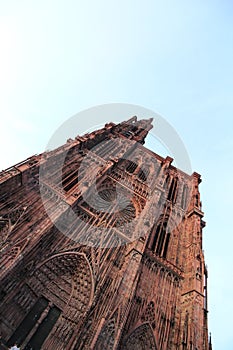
x=101 y=248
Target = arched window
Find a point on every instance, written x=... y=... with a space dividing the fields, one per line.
x=131 y=167
x=184 y=197
x=166 y=245
x=167 y=181
x=128 y=133
x=172 y=194
x=143 y=174
x=161 y=240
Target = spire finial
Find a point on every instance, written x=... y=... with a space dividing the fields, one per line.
x=210 y=342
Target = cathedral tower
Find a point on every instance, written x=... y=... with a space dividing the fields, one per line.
x=101 y=248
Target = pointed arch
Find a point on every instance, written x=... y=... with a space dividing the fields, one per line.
x=161 y=239
x=9 y=259
x=62 y=288
x=71 y=268
x=144 y=173
x=149 y=314
x=142 y=338
x=184 y=198
x=106 y=338
x=131 y=166
x=172 y=193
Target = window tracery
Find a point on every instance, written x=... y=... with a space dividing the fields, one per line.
x=172 y=193
x=106 y=338
x=143 y=174
x=66 y=281
x=116 y=204
x=149 y=314
x=142 y=338
x=161 y=239
x=184 y=197
x=131 y=167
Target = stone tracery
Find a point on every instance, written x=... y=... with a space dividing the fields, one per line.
x=144 y=284
x=142 y=338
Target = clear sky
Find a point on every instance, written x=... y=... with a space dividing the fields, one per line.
x=174 y=57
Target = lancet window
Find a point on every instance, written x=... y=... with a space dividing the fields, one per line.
x=172 y=193
x=161 y=240
x=131 y=167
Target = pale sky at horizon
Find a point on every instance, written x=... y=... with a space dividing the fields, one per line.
x=173 y=57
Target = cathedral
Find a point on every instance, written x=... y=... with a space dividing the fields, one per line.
x=101 y=248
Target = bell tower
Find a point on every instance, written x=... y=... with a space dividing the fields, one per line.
x=101 y=248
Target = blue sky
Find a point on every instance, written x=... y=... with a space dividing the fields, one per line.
x=173 y=57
